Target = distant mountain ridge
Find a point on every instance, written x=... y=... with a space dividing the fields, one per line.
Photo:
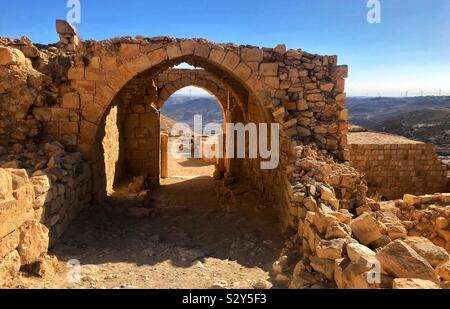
x=184 y=108
x=425 y=119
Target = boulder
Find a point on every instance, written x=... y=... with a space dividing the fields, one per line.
x=330 y=249
x=395 y=228
x=355 y=251
x=9 y=266
x=33 y=241
x=338 y=230
x=401 y=261
x=323 y=266
x=414 y=283
x=137 y=185
x=64 y=27
x=443 y=271
x=9 y=56
x=13 y=214
x=367 y=229
x=9 y=243
x=435 y=255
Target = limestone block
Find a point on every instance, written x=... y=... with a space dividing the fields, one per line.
x=401 y=261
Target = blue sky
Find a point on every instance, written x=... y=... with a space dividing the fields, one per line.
x=408 y=50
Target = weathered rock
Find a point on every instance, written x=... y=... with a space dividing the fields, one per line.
x=9 y=266
x=13 y=214
x=262 y=284
x=355 y=251
x=331 y=249
x=323 y=266
x=9 y=243
x=137 y=185
x=9 y=56
x=367 y=229
x=443 y=271
x=5 y=185
x=33 y=241
x=414 y=283
x=435 y=255
x=338 y=230
x=64 y=27
x=401 y=261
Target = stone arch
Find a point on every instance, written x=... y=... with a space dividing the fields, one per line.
x=303 y=92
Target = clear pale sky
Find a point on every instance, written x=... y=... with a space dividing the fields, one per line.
x=408 y=50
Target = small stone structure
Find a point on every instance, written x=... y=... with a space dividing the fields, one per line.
x=394 y=165
x=77 y=115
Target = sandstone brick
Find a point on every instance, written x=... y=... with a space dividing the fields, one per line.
x=68 y=127
x=268 y=69
x=71 y=100
x=243 y=71
x=202 y=50
x=9 y=56
x=217 y=55
x=5 y=185
x=9 y=243
x=33 y=241
x=9 y=266
x=76 y=73
x=13 y=214
x=174 y=51
x=129 y=51
x=231 y=61
x=252 y=55
x=60 y=114
x=400 y=260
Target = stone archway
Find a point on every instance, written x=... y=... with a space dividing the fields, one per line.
x=303 y=92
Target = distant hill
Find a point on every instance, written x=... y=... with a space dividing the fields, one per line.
x=184 y=108
x=166 y=123
x=425 y=119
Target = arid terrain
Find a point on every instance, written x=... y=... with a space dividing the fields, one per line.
x=187 y=242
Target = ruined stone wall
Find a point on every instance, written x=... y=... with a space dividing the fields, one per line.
x=394 y=165
x=36 y=207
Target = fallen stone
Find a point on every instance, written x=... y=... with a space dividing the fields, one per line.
x=443 y=271
x=9 y=243
x=338 y=230
x=34 y=241
x=367 y=229
x=9 y=266
x=137 y=185
x=323 y=266
x=64 y=27
x=9 y=56
x=413 y=283
x=355 y=251
x=435 y=255
x=330 y=249
x=13 y=214
x=401 y=261
x=262 y=284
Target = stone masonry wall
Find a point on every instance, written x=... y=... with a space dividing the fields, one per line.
x=394 y=165
x=35 y=208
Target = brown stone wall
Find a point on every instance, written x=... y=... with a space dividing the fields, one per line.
x=35 y=209
x=395 y=169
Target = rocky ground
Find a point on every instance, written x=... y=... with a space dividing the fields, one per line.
x=187 y=242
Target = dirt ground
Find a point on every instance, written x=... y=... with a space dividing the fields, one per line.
x=187 y=242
